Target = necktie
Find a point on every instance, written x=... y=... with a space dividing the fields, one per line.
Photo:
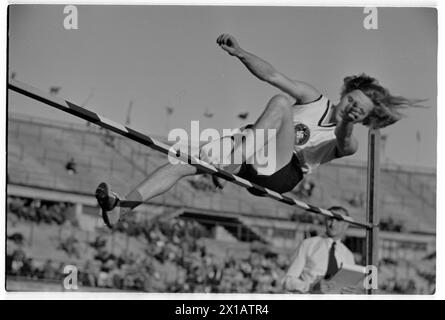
x=332 y=263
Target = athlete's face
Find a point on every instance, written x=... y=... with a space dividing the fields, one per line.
x=354 y=106
x=335 y=228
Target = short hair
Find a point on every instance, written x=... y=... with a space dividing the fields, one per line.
x=386 y=106
x=339 y=208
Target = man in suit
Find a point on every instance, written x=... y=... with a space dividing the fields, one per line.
x=318 y=258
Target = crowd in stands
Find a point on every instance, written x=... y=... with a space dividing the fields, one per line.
x=18 y=263
x=175 y=245
x=256 y=273
x=400 y=286
x=174 y=257
x=70 y=245
x=40 y=211
x=391 y=225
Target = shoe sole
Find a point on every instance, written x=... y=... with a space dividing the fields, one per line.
x=102 y=193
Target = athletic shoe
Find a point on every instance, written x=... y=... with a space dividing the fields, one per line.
x=108 y=202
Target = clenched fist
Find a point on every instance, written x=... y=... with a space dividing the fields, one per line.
x=229 y=44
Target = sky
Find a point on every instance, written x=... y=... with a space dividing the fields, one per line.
x=158 y=56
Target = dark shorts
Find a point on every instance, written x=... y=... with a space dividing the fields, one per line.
x=284 y=180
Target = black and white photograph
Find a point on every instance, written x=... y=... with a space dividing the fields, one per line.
x=221 y=149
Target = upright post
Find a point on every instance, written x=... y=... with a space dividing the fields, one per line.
x=372 y=201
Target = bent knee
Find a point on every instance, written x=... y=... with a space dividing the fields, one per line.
x=279 y=103
x=280 y=99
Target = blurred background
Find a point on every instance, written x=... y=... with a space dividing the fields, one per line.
x=162 y=69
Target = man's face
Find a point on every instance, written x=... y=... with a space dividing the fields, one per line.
x=335 y=228
x=356 y=103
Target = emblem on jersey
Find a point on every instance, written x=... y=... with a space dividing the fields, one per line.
x=302 y=134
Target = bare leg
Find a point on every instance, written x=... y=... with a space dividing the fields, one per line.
x=159 y=182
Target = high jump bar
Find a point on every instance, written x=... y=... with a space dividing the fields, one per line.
x=141 y=138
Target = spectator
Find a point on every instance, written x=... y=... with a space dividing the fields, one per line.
x=17 y=238
x=71 y=246
x=18 y=260
x=318 y=258
x=99 y=243
x=88 y=276
x=41 y=211
x=49 y=271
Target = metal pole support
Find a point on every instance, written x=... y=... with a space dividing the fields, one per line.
x=372 y=205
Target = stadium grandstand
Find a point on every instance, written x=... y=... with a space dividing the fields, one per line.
x=195 y=238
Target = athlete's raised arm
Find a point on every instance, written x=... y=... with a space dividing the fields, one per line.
x=301 y=91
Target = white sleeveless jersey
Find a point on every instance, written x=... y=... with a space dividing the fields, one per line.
x=315 y=140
